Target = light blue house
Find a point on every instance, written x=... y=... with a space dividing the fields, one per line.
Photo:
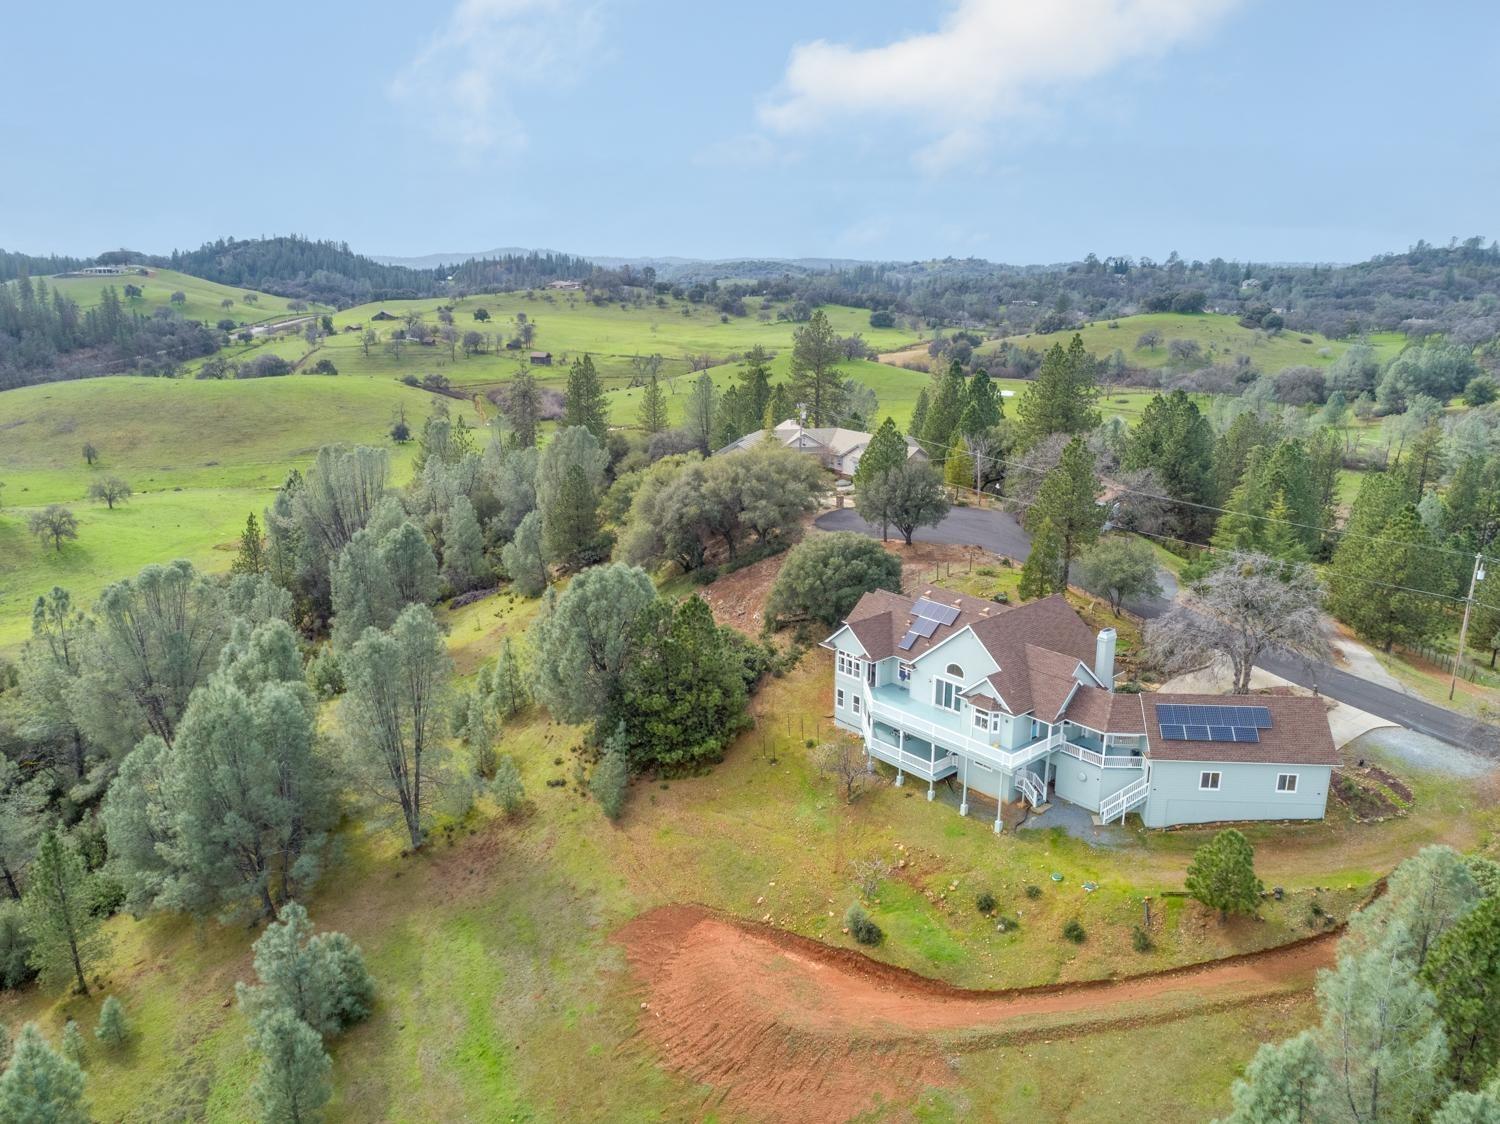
x=1018 y=703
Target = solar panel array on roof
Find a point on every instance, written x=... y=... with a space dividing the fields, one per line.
x=908 y=641
x=1179 y=723
x=1180 y=714
x=932 y=610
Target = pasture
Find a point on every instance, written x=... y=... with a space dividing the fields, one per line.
x=205 y=299
x=200 y=455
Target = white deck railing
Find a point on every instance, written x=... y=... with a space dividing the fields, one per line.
x=1031 y=788
x=1126 y=800
x=1103 y=760
x=950 y=739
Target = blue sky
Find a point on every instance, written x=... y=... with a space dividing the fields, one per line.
x=1017 y=130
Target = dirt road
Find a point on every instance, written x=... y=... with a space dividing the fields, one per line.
x=787 y=1028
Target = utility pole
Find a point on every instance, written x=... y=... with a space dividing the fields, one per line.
x=1474 y=579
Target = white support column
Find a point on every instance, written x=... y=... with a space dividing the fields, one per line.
x=963 y=805
x=900 y=757
x=931 y=792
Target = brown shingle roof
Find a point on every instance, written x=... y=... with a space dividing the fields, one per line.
x=1047 y=630
x=1299 y=733
x=881 y=618
x=1108 y=713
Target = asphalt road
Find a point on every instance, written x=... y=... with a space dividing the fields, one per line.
x=1000 y=533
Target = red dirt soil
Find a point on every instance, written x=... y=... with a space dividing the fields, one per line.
x=787 y=1028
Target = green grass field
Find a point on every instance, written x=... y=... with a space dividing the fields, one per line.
x=1220 y=337
x=567 y=326
x=204 y=298
x=200 y=455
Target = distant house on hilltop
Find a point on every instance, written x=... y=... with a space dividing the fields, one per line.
x=105 y=270
x=541 y=358
x=838 y=449
x=569 y=285
x=384 y=315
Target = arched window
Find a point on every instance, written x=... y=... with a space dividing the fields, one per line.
x=955 y=671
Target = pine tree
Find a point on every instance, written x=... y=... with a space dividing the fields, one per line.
x=886 y=450
x=40 y=1086
x=570 y=526
x=958 y=469
x=986 y=407
x=919 y=415
x=1463 y=971
x=319 y=979
x=408 y=559
x=113 y=1028
x=507 y=788
x=815 y=377
x=940 y=430
x=585 y=404
x=1176 y=441
x=72 y=1043
x=522 y=557
x=1062 y=396
x=1041 y=574
x=730 y=425
x=1068 y=499
x=1378 y=583
x=611 y=776
x=701 y=411
x=293 y=1084
x=1284 y=1084
x=523 y=409
x=251 y=558
x=505 y=685
x=59 y=914
x=1222 y=875
x=464 y=564
x=755 y=386
x=653 y=407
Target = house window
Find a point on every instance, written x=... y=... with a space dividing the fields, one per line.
x=945 y=694
x=838 y=697
x=1286 y=782
x=1209 y=782
x=854 y=702
x=981 y=765
x=849 y=665
x=981 y=720
x=955 y=671
x=903 y=672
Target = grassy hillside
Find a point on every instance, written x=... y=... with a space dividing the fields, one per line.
x=1221 y=338
x=200 y=456
x=498 y=981
x=567 y=326
x=204 y=298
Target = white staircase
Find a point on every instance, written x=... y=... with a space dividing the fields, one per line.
x=1129 y=798
x=1031 y=787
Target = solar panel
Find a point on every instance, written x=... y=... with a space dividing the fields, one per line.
x=932 y=610
x=1221 y=733
x=1258 y=717
x=1246 y=734
x=924 y=626
x=1196 y=733
x=907 y=641
x=1173 y=734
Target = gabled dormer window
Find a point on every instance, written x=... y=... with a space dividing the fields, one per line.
x=954 y=670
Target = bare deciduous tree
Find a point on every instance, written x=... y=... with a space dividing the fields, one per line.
x=844 y=761
x=1252 y=605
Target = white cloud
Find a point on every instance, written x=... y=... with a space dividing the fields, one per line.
x=989 y=60
x=464 y=78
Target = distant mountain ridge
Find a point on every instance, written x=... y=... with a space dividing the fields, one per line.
x=668 y=268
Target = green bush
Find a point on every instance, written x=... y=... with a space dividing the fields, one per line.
x=1073 y=931
x=985 y=902
x=860 y=927
x=15 y=948
x=507 y=789
x=1140 y=940
x=824 y=576
x=1033 y=892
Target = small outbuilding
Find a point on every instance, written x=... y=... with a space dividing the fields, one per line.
x=541 y=358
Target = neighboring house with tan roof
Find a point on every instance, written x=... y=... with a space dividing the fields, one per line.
x=1018 y=703
x=837 y=449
